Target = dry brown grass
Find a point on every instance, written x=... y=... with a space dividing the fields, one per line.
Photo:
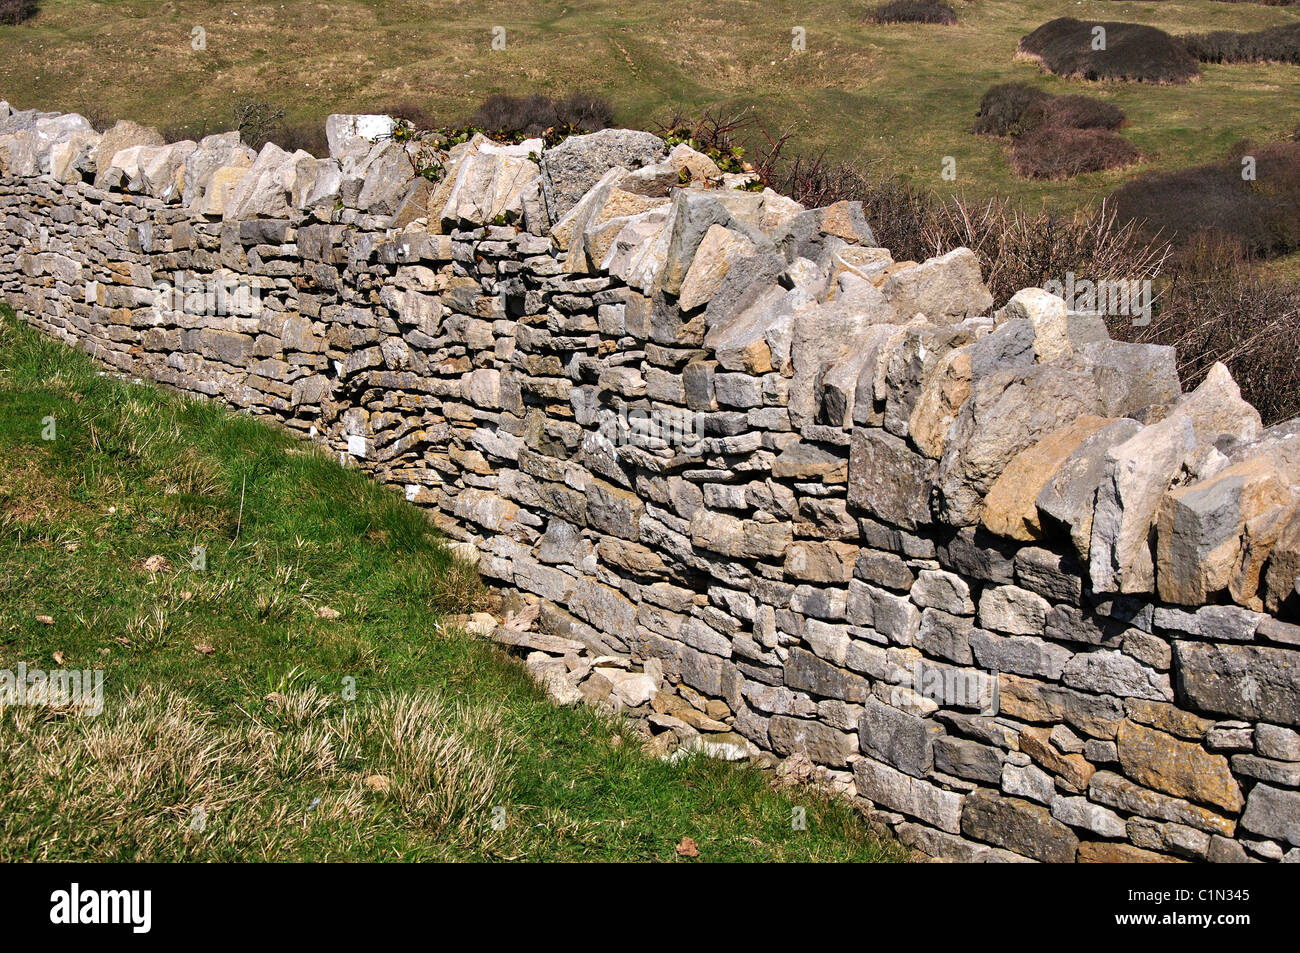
x=1021 y=248
x=131 y=782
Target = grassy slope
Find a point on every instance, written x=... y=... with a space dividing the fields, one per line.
x=902 y=96
x=136 y=472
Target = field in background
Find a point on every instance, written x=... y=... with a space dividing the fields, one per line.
x=897 y=97
x=227 y=731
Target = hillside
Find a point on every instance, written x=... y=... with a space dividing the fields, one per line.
x=902 y=96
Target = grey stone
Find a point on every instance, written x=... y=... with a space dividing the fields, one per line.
x=804 y=671
x=936 y=589
x=1013 y=610
x=968 y=759
x=898 y=738
x=579 y=162
x=1081 y=813
x=1253 y=682
x=1116 y=673
x=1274 y=741
x=1049 y=574
x=889 y=481
x=901 y=792
x=1028 y=781
x=1022 y=655
x=1271 y=812
x=1068 y=497
x=1017 y=825
x=944 y=635
x=821 y=743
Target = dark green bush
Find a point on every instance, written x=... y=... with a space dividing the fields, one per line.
x=1279 y=44
x=533 y=114
x=1133 y=52
x=16 y=11
x=913 y=11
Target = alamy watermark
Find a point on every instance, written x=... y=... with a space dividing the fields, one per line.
x=60 y=688
x=133 y=908
x=950 y=687
x=1106 y=297
x=214 y=296
x=653 y=429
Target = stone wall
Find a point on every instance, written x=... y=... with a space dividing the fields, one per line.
x=990 y=571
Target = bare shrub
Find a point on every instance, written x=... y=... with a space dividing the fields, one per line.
x=257 y=121
x=1073 y=112
x=1003 y=107
x=1056 y=137
x=414 y=113
x=1022 y=249
x=307 y=136
x=1214 y=306
x=1060 y=152
x=585 y=111
x=1258 y=214
x=195 y=129
x=1133 y=52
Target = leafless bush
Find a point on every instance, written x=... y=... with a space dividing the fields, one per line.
x=1022 y=249
x=1003 y=107
x=1213 y=306
x=1073 y=112
x=307 y=136
x=257 y=121
x=1258 y=213
x=1061 y=152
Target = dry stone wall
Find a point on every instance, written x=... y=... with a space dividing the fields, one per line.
x=989 y=571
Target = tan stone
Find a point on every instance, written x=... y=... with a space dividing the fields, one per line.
x=1199 y=528
x=1282 y=575
x=1075 y=769
x=941 y=398
x=1169 y=718
x=630 y=556
x=719 y=250
x=1027 y=699
x=1216 y=409
x=1180 y=768
x=1048 y=315
x=1010 y=508
x=821 y=562
x=1107 y=852
x=1259 y=540
x=220 y=188
x=698 y=166
x=123 y=135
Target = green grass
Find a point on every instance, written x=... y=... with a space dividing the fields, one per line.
x=899 y=97
x=445 y=727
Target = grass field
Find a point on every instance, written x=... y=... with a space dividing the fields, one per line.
x=227 y=731
x=898 y=97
